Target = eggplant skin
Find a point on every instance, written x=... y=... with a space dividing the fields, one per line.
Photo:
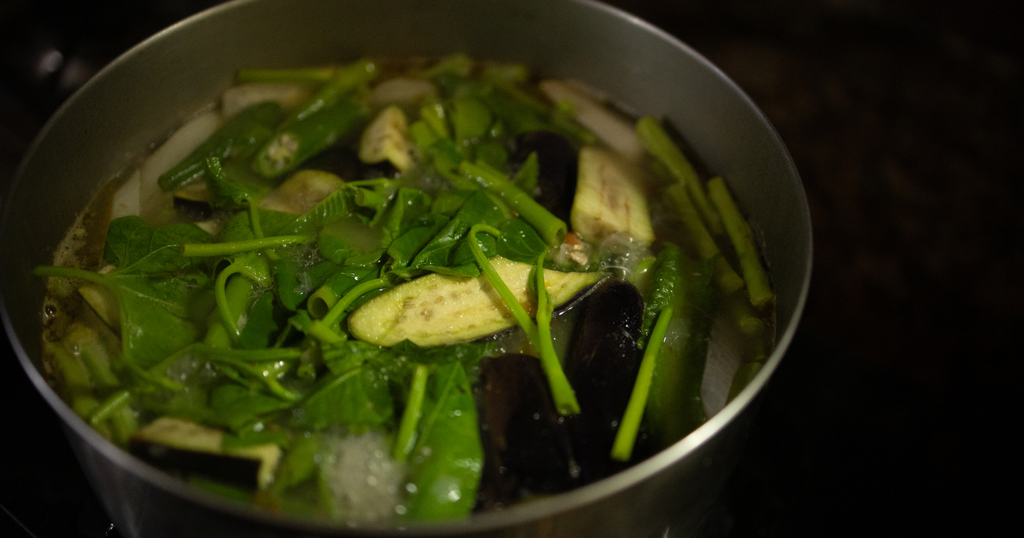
x=602 y=366
x=556 y=175
x=527 y=449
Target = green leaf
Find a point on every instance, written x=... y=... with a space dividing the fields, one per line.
x=404 y=248
x=156 y=315
x=358 y=400
x=440 y=251
x=134 y=246
x=352 y=354
x=262 y=325
x=468 y=354
x=235 y=406
x=446 y=463
x=520 y=242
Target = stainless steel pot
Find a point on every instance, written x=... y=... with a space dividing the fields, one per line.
x=146 y=92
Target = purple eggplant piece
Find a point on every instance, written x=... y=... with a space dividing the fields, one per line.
x=527 y=449
x=237 y=471
x=603 y=362
x=556 y=177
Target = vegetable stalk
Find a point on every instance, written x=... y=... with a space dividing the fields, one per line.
x=561 y=390
x=625 y=438
x=551 y=228
x=665 y=150
x=742 y=238
x=406 y=439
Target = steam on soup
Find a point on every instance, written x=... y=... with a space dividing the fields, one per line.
x=407 y=290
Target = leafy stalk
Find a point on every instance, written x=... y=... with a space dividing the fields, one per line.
x=625 y=438
x=207 y=250
x=742 y=238
x=406 y=439
x=665 y=150
x=325 y=329
x=551 y=228
x=726 y=278
x=561 y=391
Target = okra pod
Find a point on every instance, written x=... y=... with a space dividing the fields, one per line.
x=241 y=135
x=304 y=138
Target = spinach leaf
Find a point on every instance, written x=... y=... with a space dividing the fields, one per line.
x=520 y=242
x=262 y=325
x=157 y=314
x=358 y=400
x=136 y=247
x=405 y=247
x=336 y=205
x=351 y=241
x=235 y=406
x=440 y=251
x=447 y=460
x=467 y=353
x=351 y=354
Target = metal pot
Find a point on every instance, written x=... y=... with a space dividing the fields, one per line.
x=146 y=92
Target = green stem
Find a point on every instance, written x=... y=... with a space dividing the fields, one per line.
x=336 y=311
x=742 y=238
x=518 y=312
x=726 y=278
x=71 y=272
x=625 y=438
x=665 y=150
x=269 y=381
x=540 y=337
x=551 y=228
x=205 y=250
x=406 y=439
x=561 y=390
x=227 y=317
x=305 y=75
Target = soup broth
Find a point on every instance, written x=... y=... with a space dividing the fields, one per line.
x=401 y=290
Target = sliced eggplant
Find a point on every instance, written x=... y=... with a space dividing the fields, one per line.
x=556 y=175
x=609 y=199
x=187 y=447
x=439 y=309
x=301 y=191
x=527 y=448
x=602 y=366
x=193 y=200
x=104 y=302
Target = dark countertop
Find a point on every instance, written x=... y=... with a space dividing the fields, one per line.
x=906 y=121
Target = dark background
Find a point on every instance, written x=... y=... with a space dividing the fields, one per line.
x=890 y=414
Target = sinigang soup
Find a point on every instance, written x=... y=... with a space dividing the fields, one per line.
x=395 y=290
